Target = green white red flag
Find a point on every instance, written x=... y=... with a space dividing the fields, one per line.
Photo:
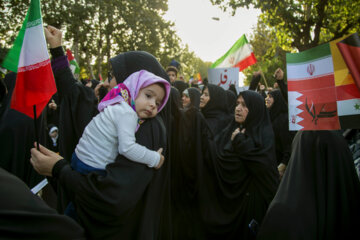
x=322 y=95
x=75 y=69
x=29 y=57
x=240 y=56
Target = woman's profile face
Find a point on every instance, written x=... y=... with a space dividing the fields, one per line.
x=269 y=101
x=185 y=99
x=241 y=111
x=205 y=97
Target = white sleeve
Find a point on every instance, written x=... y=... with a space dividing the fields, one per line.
x=125 y=121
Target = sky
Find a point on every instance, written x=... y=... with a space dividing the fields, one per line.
x=208 y=38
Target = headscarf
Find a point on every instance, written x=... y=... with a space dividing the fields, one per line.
x=181 y=86
x=94 y=83
x=129 y=90
x=216 y=110
x=279 y=106
x=231 y=99
x=194 y=95
x=176 y=102
x=124 y=64
x=257 y=122
x=319 y=195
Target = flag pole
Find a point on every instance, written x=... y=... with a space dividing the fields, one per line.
x=36 y=129
x=262 y=75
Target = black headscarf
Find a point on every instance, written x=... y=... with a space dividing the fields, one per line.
x=319 y=195
x=240 y=179
x=280 y=123
x=176 y=102
x=216 y=111
x=257 y=123
x=279 y=106
x=231 y=99
x=94 y=83
x=124 y=64
x=181 y=86
x=194 y=95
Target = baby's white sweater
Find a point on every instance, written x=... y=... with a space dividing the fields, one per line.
x=112 y=132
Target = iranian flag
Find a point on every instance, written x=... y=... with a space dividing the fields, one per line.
x=75 y=69
x=322 y=94
x=29 y=57
x=239 y=56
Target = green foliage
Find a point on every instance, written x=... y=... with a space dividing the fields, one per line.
x=268 y=52
x=304 y=24
x=96 y=30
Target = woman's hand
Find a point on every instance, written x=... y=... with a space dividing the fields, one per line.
x=236 y=132
x=53 y=105
x=53 y=36
x=281 y=169
x=44 y=160
x=279 y=74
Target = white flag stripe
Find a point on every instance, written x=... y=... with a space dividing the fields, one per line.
x=294 y=111
x=34 y=49
x=242 y=53
x=320 y=67
x=348 y=107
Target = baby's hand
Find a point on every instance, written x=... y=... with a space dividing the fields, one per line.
x=162 y=159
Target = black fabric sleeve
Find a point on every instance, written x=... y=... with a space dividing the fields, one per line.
x=57 y=52
x=254 y=82
x=283 y=89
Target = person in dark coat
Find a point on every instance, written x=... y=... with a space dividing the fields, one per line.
x=319 y=195
x=17 y=133
x=278 y=109
x=231 y=100
x=24 y=215
x=131 y=201
x=240 y=179
x=191 y=98
x=214 y=107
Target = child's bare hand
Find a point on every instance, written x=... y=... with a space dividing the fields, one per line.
x=162 y=159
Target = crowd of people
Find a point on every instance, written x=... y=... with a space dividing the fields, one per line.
x=143 y=155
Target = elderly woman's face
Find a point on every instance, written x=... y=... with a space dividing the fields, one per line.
x=241 y=111
x=205 y=97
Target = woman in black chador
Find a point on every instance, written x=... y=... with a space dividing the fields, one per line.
x=131 y=201
x=214 y=107
x=191 y=98
x=241 y=178
x=319 y=195
x=278 y=109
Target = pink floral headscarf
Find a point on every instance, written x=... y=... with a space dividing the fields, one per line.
x=130 y=88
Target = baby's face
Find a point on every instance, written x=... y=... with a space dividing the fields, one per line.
x=149 y=100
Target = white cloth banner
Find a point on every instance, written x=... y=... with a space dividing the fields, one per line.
x=224 y=77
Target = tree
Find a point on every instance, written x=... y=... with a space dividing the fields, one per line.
x=96 y=30
x=304 y=23
x=269 y=53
